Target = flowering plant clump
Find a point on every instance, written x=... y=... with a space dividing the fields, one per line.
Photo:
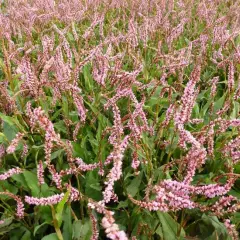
x=119 y=119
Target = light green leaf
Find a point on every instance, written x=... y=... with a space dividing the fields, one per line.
x=9 y=131
x=219 y=103
x=60 y=206
x=11 y=121
x=56 y=154
x=32 y=182
x=7 y=119
x=52 y=236
x=60 y=126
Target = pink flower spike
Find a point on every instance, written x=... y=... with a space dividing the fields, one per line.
x=10 y=172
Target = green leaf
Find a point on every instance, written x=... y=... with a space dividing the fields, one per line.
x=7 y=119
x=26 y=235
x=92 y=185
x=3 y=138
x=32 y=182
x=60 y=126
x=7 y=226
x=9 y=131
x=219 y=103
x=65 y=106
x=55 y=115
x=94 y=144
x=7 y=186
x=122 y=204
x=170 y=227
x=96 y=186
x=17 y=232
x=45 y=213
x=196 y=110
x=67 y=223
x=7 y=222
x=88 y=77
x=159 y=231
x=20 y=179
x=38 y=227
x=235 y=111
x=82 y=230
x=133 y=188
x=52 y=236
x=56 y=154
x=214 y=222
x=205 y=108
x=11 y=121
x=214 y=236
x=60 y=207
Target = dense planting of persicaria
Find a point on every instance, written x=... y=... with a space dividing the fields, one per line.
x=99 y=96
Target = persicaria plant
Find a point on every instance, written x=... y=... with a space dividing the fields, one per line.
x=119 y=119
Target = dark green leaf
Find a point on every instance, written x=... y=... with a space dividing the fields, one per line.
x=170 y=227
x=67 y=223
x=133 y=188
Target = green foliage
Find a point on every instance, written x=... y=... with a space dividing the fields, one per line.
x=111 y=33
x=81 y=230
x=170 y=228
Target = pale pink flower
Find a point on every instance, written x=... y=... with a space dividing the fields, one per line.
x=40 y=172
x=231 y=229
x=231 y=76
x=95 y=232
x=20 y=205
x=9 y=173
x=111 y=228
x=116 y=172
x=14 y=143
x=44 y=201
